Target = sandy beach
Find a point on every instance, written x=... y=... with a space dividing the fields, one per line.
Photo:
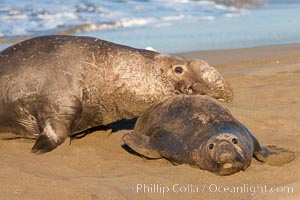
x=266 y=83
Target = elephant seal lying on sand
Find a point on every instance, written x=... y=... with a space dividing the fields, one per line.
x=54 y=86
x=196 y=130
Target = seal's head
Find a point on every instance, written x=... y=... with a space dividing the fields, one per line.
x=195 y=77
x=223 y=154
x=228 y=153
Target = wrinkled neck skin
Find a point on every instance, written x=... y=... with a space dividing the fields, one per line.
x=140 y=75
x=126 y=84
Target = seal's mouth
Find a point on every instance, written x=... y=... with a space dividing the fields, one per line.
x=187 y=89
x=200 y=88
x=231 y=168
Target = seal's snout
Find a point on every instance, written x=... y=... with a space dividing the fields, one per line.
x=207 y=78
x=225 y=152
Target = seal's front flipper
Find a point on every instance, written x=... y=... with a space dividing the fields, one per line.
x=274 y=155
x=141 y=144
x=52 y=136
x=43 y=145
x=54 y=121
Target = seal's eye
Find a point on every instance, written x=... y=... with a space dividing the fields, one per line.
x=234 y=141
x=211 y=146
x=178 y=70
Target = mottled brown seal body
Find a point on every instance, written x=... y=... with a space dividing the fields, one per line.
x=54 y=86
x=197 y=130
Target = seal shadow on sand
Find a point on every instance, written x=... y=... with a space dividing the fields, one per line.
x=115 y=126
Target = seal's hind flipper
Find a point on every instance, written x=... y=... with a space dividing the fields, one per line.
x=275 y=156
x=141 y=144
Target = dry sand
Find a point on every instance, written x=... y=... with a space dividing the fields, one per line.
x=266 y=82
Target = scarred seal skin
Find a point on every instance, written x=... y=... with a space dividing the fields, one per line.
x=198 y=131
x=54 y=86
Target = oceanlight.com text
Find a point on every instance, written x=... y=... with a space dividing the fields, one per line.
x=210 y=188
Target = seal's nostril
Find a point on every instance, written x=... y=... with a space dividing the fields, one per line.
x=234 y=141
x=211 y=146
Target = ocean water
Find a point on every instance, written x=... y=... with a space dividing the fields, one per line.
x=170 y=26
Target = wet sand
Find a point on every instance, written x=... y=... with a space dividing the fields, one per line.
x=266 y=83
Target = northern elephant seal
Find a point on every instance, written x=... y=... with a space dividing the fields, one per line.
x=197 y=130
x=54 y=86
